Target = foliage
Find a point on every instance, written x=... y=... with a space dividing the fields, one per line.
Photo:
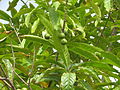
x=60 y=45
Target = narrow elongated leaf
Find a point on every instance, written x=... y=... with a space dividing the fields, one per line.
x=27 y=19
x=67 y=81
x=114 y=60
x=114 y=38
x=96 y=9
x=99 y=65
x=37 y=39
x=108 y=5
x=85 y=47
x=18 y=48
x=84 y=53
x=35 y=25
x=12 y=4
x=90 y=71
x=4 y=16
x=86 y=85
x=22 y=11
x=47 y=24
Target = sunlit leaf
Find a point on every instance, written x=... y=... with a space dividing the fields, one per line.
x=67 y=81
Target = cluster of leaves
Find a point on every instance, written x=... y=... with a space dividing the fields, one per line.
x=60 y=45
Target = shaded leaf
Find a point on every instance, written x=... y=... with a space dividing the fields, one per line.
x=4 y=16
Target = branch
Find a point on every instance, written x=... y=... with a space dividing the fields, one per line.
x=65 y=16
x=20 y=78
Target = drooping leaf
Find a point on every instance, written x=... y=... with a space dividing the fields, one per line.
x=35 y=25
x=114 y=60
x=85 y=47
x=37 y=39
x=4 y=16
x=47 y=24
x=27 y=19
x=86 y=54
x=67 y=81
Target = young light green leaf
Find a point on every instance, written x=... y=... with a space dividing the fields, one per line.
x=27 y=19
x=22 y=11
x=68 y=80
x=35 y=25
x=108 y=5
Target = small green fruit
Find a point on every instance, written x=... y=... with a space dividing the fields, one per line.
x=61 y=35
x=63 y=41
x=47 y=36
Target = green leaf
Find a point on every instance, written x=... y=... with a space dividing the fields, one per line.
x=54 y=16
x=19 y=48
x=68 y=80
x=86 y=85
x=72 y=1
x=108 y=5
x=27 y=19
x=4 y=16
x=88 y=70
x=84 y=46
x=47 y=24
x=35 y=25
x=84 y=53
x=99 y=65
x=81 y=29
x=37 y=39
x=9 y=68
x=23 y=11
x=96 y=9
x=114 y=38
x=12 y=4
x=13 y=11
x=113 y=59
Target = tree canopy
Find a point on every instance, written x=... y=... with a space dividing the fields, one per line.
x=60 y=45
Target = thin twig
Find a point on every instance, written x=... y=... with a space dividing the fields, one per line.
x=20 y=78
x=13 y=68
x=32 y=69
x=65 y=16
x=15 y=31
x=114 y=30
x=24 y=3
x=7 y=79
x=3 y=71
